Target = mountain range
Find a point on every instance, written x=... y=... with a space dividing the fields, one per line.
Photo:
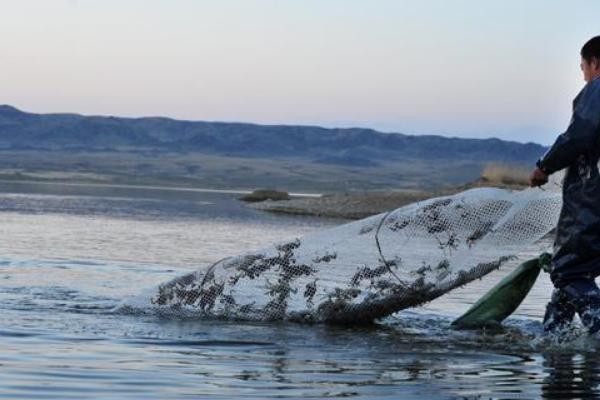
x=154 y=138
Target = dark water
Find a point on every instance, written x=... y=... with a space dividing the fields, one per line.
x=70 y=254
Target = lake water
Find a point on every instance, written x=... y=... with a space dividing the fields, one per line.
x=69 y=254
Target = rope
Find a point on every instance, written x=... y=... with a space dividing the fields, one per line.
x=387 y=264
x=211 y=269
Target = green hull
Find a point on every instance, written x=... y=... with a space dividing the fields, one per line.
x=504 y=298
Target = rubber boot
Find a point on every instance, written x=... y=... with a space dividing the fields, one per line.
x=559 y=313
x=585 y=297
x=590 y=316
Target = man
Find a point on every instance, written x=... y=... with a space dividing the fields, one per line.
x=576 y=259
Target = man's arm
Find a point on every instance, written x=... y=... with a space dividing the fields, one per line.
x=580 y=136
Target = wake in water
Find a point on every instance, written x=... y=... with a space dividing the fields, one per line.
x=368 y=269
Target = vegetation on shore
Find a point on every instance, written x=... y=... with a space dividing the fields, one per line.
x=504 y=174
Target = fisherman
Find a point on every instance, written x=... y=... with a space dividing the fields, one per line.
x=576 y=259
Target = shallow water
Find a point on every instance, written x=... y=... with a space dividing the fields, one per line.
x=70 y=254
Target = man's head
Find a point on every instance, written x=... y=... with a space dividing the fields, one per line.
x=590 y=59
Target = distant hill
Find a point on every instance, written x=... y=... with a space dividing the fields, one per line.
x=351 y=146
x=153 y=138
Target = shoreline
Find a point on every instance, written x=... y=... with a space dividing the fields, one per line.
x=146 y=187
x=343 y=205
x=354 y=206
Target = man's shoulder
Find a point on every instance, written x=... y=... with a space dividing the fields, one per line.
x=591 y=89
x=587 y=102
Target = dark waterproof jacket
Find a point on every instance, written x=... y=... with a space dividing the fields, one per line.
x=577 y=244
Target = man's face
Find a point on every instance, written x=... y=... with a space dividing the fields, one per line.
x=590 y=69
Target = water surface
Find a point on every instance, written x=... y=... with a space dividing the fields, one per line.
x=71 y=254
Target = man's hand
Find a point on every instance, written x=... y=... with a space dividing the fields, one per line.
x=537 y=177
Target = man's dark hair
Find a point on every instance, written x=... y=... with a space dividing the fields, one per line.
x=591 y=49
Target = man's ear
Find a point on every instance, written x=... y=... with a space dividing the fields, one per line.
x=595 y=64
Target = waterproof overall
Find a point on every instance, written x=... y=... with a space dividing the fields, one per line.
x=576 y=259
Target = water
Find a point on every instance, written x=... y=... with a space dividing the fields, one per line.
x=70 y=254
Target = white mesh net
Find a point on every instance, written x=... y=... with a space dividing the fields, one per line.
x=366 y=269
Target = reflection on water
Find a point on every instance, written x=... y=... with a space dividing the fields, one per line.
x=70 y=255
x=571 y=375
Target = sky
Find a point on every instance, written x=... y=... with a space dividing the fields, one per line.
x=467 y=68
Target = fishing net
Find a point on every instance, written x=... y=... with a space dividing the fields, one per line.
x=367 y=269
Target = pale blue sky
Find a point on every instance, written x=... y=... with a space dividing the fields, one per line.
x=469 y=68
